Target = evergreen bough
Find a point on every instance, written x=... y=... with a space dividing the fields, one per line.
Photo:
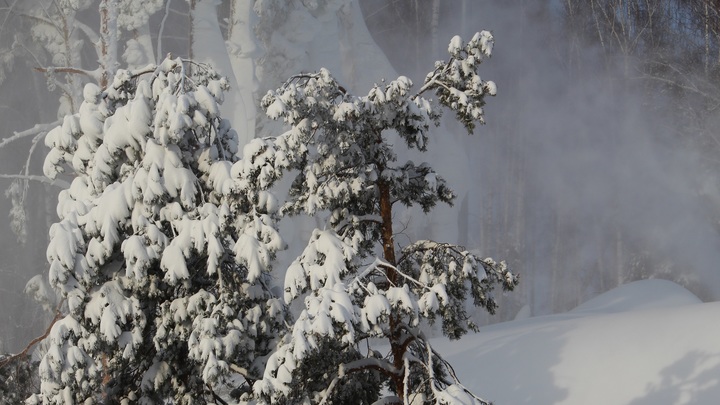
x=166 y=236
x=357 y=284
x=162 y=259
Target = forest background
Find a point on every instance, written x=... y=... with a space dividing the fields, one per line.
x=598 y=165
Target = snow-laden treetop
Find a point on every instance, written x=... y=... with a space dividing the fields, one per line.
x=161 y=254
x=341 y=152
x=167 y=235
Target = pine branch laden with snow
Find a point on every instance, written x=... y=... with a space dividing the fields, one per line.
x=457 y=83
x=162 y=254
x=340 y=153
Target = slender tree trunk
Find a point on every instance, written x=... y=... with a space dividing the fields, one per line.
x=555 y=271
x=388 y=246
x=243 y=50
x=208 y=45
x=72 y=58
x=597 y=27
x=434 y=27
x=108 y=40
x=717 y=39
x=601 y=266
x=707 y=39
x=418 y=32
x=396 y=346
x=191 y=36
x=619 y=257
x=519 y=231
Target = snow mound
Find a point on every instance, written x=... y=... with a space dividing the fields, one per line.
x=638 y=295
x=645 y=343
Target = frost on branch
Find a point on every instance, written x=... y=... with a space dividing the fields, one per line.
x=162 y=254
x=344 y=169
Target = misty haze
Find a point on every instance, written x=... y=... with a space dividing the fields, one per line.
x=234 y=221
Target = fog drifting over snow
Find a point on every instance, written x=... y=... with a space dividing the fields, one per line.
x=571 y=169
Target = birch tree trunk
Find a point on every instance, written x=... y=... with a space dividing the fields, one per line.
x=208 y=45
x=108 y=40
x=243 y=51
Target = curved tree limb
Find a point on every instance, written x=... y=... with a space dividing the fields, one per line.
x=35 y=341
x=29 y=132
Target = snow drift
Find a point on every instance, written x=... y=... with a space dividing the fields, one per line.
x=645 y=343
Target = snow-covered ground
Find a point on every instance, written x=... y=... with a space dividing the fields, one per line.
x=646 y=343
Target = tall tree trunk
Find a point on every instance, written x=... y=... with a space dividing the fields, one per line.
x=619 y=257
x=396 y=346
x=108 y=39
x=707 y=39
x=208 y=45
x=555 y=264
x=417 y=34
x=191 y=37
x=72 y=58
x=434 y=28
x=243 y=50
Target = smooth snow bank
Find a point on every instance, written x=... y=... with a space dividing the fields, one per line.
x=645 y=343
x=645 y=294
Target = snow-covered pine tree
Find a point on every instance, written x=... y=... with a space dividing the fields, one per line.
x=357 y=284
x=161 y=258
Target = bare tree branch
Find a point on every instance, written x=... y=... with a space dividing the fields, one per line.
x=41 y=179
x=35 y=130
x=35 y=341
x=70 y=70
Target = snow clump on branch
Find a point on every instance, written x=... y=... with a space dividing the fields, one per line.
x=163 y=259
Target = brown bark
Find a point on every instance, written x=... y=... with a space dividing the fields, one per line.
x=396 y=347
x=387 y=229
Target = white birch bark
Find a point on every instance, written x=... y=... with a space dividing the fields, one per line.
x=108 y=39
x=208 y=45
x=243 y=51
